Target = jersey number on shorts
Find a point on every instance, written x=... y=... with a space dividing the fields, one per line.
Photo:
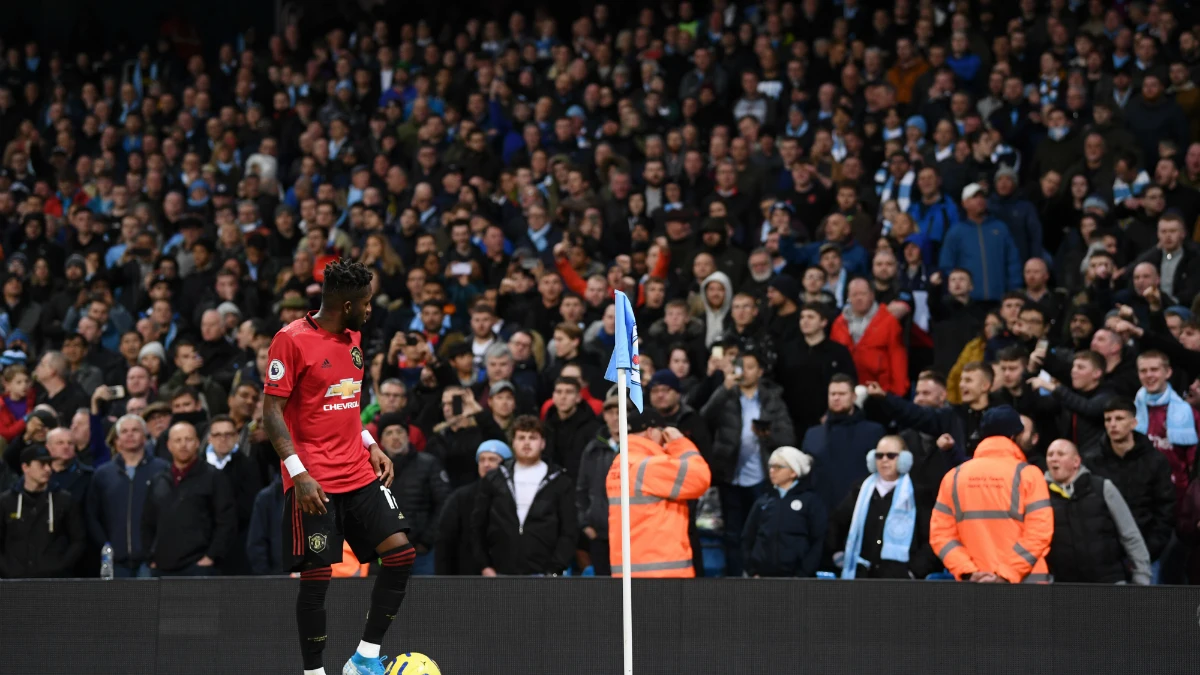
x=391 y=500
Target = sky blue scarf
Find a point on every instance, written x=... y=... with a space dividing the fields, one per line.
x=1181 y=426
x=897 y=528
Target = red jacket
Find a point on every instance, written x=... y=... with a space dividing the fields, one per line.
x=11 y=427
x=880 y=355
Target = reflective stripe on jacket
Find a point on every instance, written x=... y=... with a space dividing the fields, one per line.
x=993 y=515
x=661 y=481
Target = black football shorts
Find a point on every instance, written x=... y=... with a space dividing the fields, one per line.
x=364 y=517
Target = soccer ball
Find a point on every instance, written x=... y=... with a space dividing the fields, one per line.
x=412 y=663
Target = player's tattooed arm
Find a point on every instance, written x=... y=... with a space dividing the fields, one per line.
x=309 y=494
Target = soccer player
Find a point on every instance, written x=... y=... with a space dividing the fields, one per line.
x=335 y=477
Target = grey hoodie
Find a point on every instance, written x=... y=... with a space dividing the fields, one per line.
x=1127 y=529
x=715 y=318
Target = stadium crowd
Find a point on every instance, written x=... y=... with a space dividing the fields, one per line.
x=871 y=245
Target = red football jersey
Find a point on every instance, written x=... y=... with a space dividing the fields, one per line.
x=321 y=374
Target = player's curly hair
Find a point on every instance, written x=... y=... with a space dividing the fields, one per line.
x=346 y=277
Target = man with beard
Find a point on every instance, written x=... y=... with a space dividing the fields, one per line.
x=747 y=333
x=784 y=314
x=760 y=274
x=714 y=239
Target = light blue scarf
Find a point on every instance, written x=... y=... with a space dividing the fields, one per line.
x=1181 y=426
x=897 y=528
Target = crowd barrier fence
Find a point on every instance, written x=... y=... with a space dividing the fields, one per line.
x=517 y=626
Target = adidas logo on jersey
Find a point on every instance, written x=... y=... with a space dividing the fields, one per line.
x=326 y=364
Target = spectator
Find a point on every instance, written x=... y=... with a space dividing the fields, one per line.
x=224 y=453
x=802 y=366
x=19 y=400
x=420 y=487
x=118 y=493
x=1082 y=404
x=523 y=521
x=960 y=421
x=455 y=545
x=749 y=420
x=569 y=425
x=785 y=531
x=41 y=534
x=840 y=441
x=874 y=339
x=983 y=246
x=189 y=519
x=462 y=430
x=671 y=474
x=264 y=540
x=1139 y=471
x=881 y=529
x=1007 y=205
x=1094 y=532
x=997 y=480
x=55 y=387
x=591 y=496
x=1176 y=258
x=666 y=397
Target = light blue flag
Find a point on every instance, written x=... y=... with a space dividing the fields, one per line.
x=625 y=350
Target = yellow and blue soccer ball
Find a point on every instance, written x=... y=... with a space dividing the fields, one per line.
x=413 y=663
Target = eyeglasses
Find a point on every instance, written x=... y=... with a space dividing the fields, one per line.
x=886 y=455
x=777 y=466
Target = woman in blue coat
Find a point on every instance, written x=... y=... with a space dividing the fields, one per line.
x=785 y=533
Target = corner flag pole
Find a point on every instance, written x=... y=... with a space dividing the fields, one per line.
x=626 y=582
x=624 y=369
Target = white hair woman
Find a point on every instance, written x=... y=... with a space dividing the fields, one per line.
x=880 y=530
x=785 y=532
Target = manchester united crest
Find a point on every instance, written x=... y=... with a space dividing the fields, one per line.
x=356 y=356
x=317 y=542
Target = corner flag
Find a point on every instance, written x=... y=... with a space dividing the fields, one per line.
x=625 y=351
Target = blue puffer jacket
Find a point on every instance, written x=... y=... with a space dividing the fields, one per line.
x=840 y=446
x=934 y=220
x=785 y=535
x=1023 y=223
x=988 y=252
x=114 y=506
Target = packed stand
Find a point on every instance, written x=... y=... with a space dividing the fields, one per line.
x=880 y=253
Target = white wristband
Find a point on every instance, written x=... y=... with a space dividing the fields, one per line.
x=367 y=439
x=294 y=466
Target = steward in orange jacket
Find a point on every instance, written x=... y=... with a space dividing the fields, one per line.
x=874 y=338
x=661 y=481
x=993 y=515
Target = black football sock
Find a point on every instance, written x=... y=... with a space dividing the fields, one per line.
x=310 y=615
x=396 y=567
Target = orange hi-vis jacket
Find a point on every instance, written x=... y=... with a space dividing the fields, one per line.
x=661 y=481
x=993 y=515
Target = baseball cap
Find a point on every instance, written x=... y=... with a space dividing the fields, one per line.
x=641 y=421
x=502 y=385
x=35 y=453
x=971 y=190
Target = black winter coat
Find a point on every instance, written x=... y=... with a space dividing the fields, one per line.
x=1143 y=476
x=804 y=371
x=566 y=439
x=455 y=545
x=264 y=540
x=724 y=415
x=591 y=488
x=456 y=449
x=186 y=522
x=30 y=547
x=839 y=448
x=1087 y=546
x=421 y=488
x=785 y=536
x=114 y=507
x=545 y=543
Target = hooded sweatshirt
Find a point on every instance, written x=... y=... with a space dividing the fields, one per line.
x=715 y=318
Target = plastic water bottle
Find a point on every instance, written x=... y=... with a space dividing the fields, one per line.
x=106 y=562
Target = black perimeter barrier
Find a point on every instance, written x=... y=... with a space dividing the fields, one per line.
x=573 y=627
